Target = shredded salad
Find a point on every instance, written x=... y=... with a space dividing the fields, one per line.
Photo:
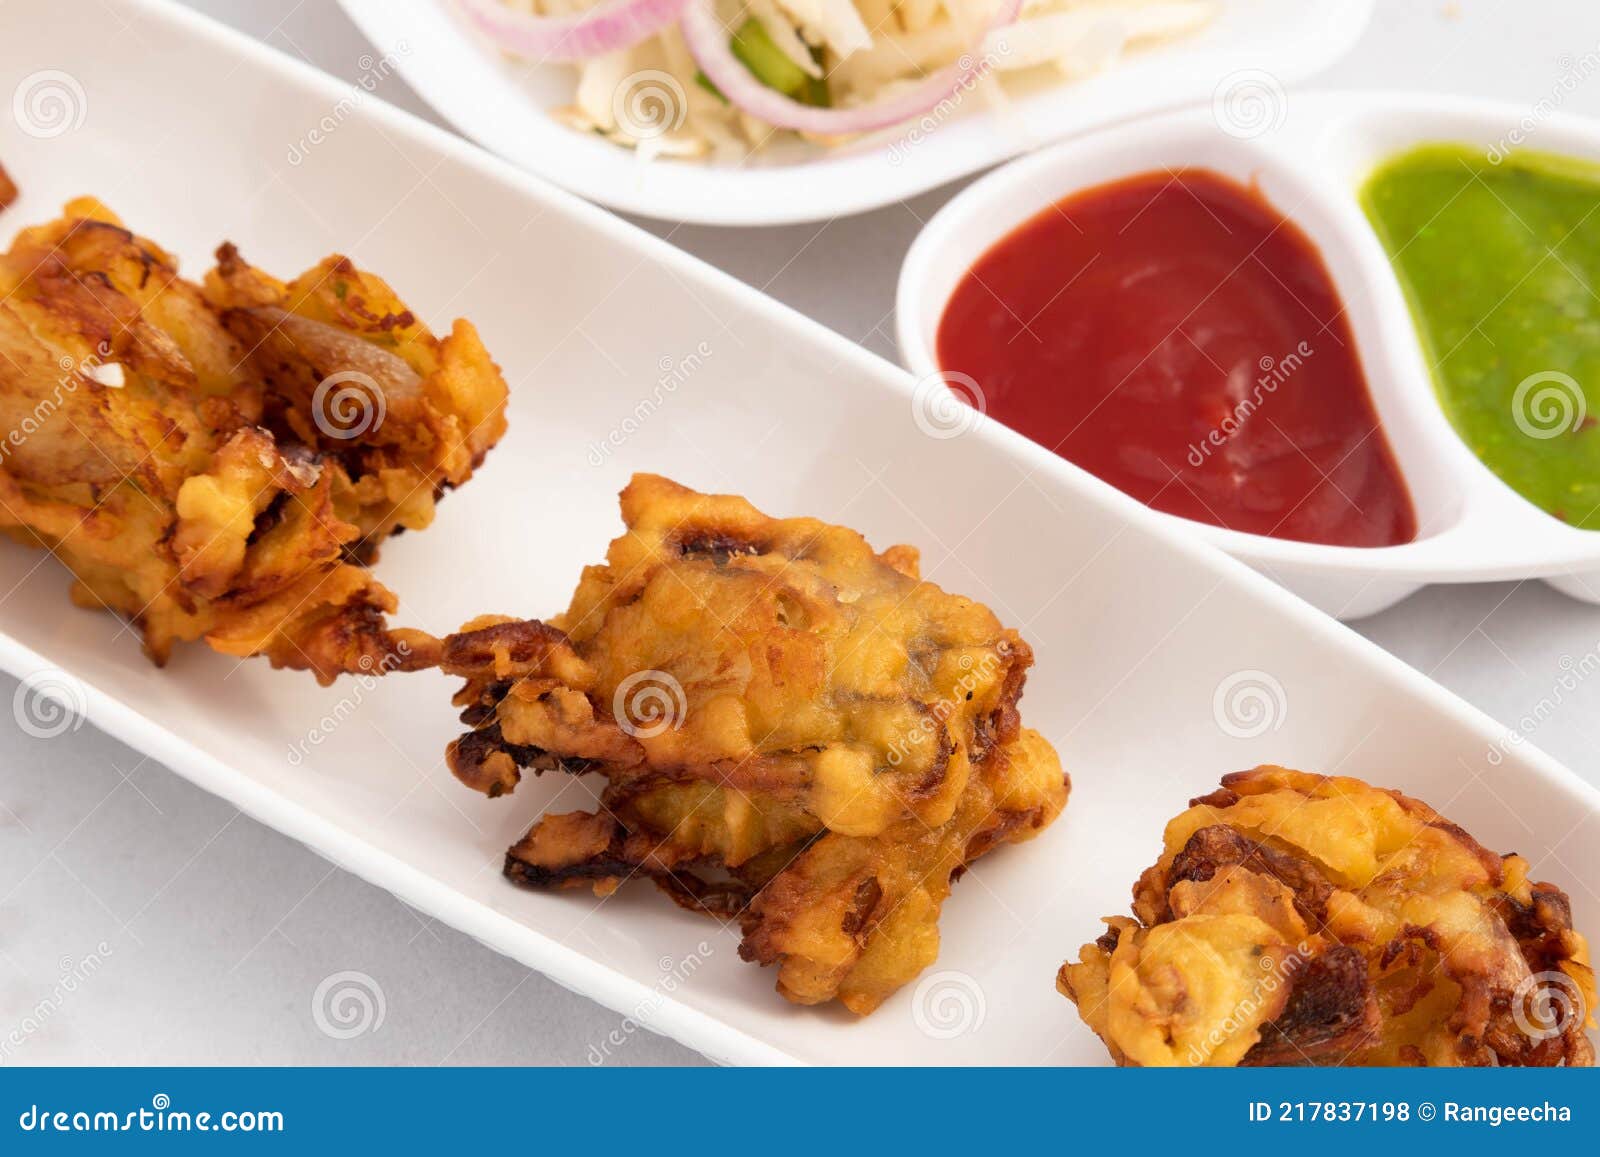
x=722 y=79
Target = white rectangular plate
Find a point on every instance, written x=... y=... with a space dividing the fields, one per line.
x=1252 y=46
x=1135 y=626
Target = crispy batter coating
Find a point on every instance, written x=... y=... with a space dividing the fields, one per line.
x=221 y=462
x=1303 y=919
x=796 y=732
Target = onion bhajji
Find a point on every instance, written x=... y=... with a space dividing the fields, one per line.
x=221 y=461
x=1303 y=919
x=796 y=733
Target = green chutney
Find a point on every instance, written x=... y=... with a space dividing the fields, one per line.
x=1501 y=264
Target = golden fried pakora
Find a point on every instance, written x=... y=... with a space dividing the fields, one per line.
x=1304 y=919
x=795 y=732
x=220 y=462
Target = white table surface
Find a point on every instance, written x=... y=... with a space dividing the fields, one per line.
x=214 y=933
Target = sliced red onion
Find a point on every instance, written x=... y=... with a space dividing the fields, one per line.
x=614 y=24
x=709 y=44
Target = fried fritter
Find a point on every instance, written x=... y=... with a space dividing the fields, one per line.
x=796 y=733
x=1303 y=919
x=221 y=462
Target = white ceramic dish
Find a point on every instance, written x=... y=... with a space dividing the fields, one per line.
x=1152 y=647
x=1473 y=528
x=1253 y=46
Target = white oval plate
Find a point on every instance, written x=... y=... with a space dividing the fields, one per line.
x=1152 y=648
x=1310 y=164
x=504 y=105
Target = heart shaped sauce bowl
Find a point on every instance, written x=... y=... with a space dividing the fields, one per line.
x=1209 y=411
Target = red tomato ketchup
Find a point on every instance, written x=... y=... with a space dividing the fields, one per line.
x=1176 y=336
